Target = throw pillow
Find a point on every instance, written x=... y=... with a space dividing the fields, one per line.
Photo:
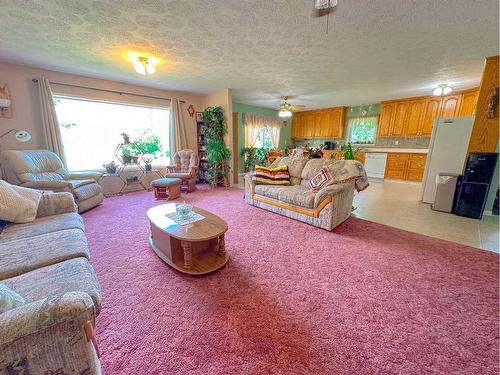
x=9 y=299
x=323 y=178
x=271 y=176
x=18 y=204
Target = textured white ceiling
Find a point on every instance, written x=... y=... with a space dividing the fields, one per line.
x=262 y=49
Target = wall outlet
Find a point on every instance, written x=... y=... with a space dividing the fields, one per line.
x=396 y=143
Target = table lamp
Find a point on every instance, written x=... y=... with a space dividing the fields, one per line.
x=20 y=135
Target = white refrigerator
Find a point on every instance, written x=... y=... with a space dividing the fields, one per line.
x=447 y=152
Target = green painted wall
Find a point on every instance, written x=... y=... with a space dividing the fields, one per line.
x=259 y=111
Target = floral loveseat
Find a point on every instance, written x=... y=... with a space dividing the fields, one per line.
x=326 y=208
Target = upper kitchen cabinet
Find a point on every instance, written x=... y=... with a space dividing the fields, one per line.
x=468 y=103
x=415 y=116
x=400 y=118
x=386 y=117
x=431 y=112
x=416 y=110
x=323 y=124
x=450 y=106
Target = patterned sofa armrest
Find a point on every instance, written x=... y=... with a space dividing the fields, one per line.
x=40 y=315
x=50 y=334
x=56 y=204
x=249 y=184
x=48 y=185
x=335 y=190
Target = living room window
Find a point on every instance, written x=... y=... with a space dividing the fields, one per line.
x=264 y=139
x=91 y=130
x=362 y=130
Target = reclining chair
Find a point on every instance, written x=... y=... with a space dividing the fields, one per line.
x=44 y=170
x=185 y=167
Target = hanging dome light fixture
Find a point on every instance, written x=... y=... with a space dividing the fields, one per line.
x=442 y=89
x=285 y=110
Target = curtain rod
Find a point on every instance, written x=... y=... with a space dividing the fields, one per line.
x=107 y=90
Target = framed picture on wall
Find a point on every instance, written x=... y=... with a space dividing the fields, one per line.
x=199 y=116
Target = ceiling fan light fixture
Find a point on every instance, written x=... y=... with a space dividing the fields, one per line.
x=143 y=66
x=447 y=90
x=285 y=113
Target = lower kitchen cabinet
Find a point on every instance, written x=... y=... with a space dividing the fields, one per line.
x=405 y=166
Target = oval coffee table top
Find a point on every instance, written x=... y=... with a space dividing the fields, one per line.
x=210 y=227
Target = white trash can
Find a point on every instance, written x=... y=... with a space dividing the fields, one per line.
x=446 y=184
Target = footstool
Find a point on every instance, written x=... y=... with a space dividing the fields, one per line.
x=167 y=188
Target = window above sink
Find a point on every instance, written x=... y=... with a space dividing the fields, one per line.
x=362 y=130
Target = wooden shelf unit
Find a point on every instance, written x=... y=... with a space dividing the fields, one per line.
x=202 y=154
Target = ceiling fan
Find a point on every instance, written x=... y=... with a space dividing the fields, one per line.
x=323 y=7
x=286 y=108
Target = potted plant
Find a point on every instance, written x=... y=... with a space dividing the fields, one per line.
x=126 y=138
x=110 y=167
x=218 y=155
x=348 y=152
x=249 y=156
x=147 y=164
x=126 y=155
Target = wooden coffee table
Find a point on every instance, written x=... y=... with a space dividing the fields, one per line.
x=196 y=248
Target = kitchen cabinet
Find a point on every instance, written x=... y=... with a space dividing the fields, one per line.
x=431 y=112
x=337 y=155
x=450 y=106
x=320 y=124
x=468 y=103
x=385 y=123
x=415 y=116
x=405 y=166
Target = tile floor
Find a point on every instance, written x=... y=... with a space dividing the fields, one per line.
x=397 y=204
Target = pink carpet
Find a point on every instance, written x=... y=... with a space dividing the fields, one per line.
x=293 y=299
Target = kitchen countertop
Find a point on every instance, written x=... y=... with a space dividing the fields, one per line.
x=395 y=150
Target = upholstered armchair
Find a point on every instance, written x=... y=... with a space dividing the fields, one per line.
x=185 y=167
x=44 y=170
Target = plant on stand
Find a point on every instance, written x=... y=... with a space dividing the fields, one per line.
x=110 y=167
x=218 y=155
x=126 y=138
x=126 y=155
x=147 y=164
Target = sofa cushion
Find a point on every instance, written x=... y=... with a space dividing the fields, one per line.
x=271 y=176
x=269 y=191
x=9 y=299
x=26 y=254
x=87 y=191
x=297 y=195
x=18 y=204
x=74 y=275
x=295 y=166
x=75 y=184
x=42 y=225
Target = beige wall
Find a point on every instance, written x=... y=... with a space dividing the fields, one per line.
x=223 y=98
x=26 y=110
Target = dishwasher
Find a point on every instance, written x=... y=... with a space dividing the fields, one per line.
x=375 y=164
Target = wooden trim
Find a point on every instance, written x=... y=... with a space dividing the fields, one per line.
x=322 y=109
x=235 y=147
x=454 y=93
x=304 y=211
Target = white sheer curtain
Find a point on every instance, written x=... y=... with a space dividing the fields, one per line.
x=50 y=124
x=179 y=137
x=254 y=123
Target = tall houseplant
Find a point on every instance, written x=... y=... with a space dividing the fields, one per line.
x=218 y=155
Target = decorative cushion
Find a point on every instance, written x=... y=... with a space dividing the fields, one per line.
x=9 y=299
x=18 y=204
x=271 y=176
x=323 y=178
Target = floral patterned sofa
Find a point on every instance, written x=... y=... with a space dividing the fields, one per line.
x=326 y=208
